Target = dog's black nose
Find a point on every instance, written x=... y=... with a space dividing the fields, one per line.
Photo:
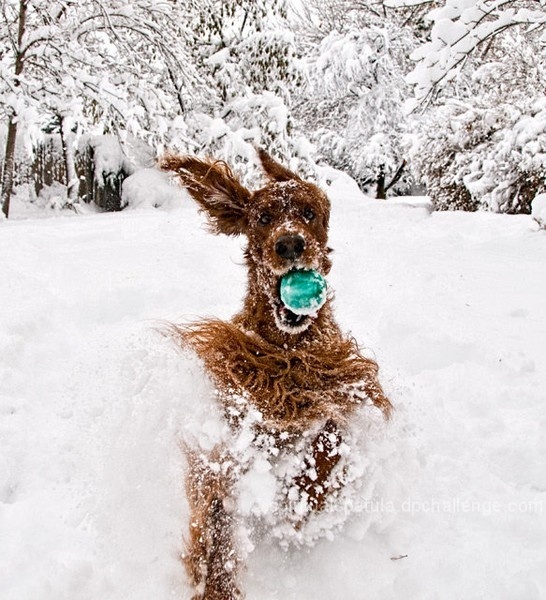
x=290 y=246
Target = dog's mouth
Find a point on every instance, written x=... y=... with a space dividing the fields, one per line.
x=290 y=321
x=286 y=319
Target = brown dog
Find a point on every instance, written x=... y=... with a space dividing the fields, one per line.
x=287 y=384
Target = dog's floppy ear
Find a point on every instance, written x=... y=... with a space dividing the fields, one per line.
x=273 y=169
x=215 y=188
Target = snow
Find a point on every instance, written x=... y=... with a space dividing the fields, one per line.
x=151 y=188
x=94 y=403
x=539 y=210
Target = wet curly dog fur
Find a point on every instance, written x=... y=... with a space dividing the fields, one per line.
x=299 y=373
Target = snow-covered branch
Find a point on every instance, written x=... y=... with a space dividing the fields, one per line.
x=459 y=28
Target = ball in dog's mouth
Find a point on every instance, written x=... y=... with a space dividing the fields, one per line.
x=301 y=293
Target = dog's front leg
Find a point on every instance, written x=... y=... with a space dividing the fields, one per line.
x=318 y=466
x=212 y=556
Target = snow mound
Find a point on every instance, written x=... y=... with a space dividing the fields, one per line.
x=151 y=188
x=539 y=210
x=339 y=183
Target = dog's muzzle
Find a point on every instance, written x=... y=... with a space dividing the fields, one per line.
x=290 y=246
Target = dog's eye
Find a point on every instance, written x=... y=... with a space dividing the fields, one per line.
x=265 y=219
x=308 y=214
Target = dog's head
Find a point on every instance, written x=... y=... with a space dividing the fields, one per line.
x=286 y=223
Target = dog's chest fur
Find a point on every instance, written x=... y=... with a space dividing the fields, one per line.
x=292 y=388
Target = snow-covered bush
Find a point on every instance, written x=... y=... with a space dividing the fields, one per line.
x=487 y=149
x=491 y=158
x=151 y=188
x=438 y=161
x=101 y=164
x=104 y=165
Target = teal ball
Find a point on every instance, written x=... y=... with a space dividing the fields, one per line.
x=303 y=291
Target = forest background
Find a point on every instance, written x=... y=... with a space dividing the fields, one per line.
x=405 y=96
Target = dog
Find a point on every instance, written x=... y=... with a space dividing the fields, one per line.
x=286 y=384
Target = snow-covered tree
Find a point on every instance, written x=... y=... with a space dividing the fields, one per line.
x=243 y=45
x=486 y=148
x=352 y=108
x=245 y=52
x=120 y=65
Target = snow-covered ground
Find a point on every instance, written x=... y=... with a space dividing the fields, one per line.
x=92 y=401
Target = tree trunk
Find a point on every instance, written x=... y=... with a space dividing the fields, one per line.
x=380 y=190
x=9 y=158
x=72 y=182
x=396 y=176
